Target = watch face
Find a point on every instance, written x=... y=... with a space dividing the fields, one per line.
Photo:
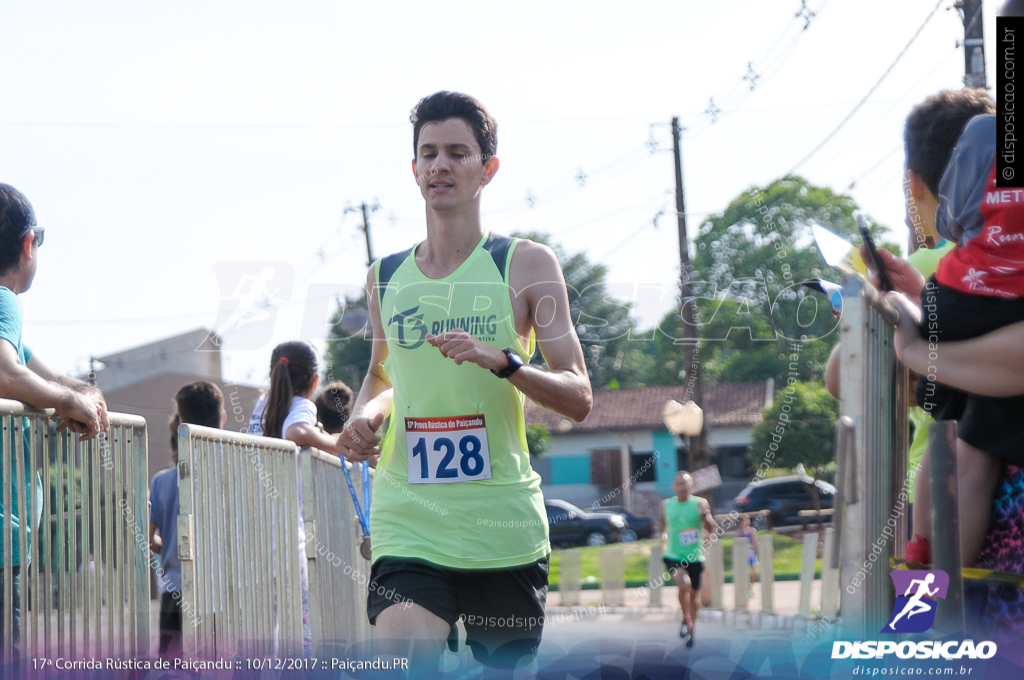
x=515 y=362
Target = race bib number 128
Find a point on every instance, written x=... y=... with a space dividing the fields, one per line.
x=447 y=450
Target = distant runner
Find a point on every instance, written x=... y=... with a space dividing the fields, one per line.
x=681 y=518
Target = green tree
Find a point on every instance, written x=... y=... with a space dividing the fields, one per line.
x=538 y=439
x=750 y=306
x=728 y=357
x=349 y=342
x=799 y=427
x=603 y=326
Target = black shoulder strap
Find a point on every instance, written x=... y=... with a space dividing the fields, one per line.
x=498 y=247
x=388 y=266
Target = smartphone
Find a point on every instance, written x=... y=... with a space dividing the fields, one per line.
x=876 y=261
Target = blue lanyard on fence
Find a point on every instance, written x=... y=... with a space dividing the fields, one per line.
x=363 y=513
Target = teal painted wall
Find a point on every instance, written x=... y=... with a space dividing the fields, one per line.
x=665 y=449
x=570 y=469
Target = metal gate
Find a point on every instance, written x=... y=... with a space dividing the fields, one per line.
x=242 y=550
x=85 y=587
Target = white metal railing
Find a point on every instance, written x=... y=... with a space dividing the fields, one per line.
x=240 y=549
x=871 y=473
x=85 y=586
x=338 y=573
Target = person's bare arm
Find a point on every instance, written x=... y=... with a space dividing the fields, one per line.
x=541 y=302
x=43 y=370
x=155 y=542
x=565 y=386
x=303 y=434
x=359 y=440
x=709 y=522
x=991 y=365
x=664 y=527
x=832 y=371
x=85 y=413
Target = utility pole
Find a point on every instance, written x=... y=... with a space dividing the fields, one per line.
x=690 y=316
x=974 y=43
x=366 y=227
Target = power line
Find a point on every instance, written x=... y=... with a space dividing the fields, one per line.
x=758 y=72
x=632 y=234
x=897 y=102
x=741 y=89
x=870 y=92
x=878 y=164
x=605 y=216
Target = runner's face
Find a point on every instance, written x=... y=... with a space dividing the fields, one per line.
x=448 y=166
x=682 y=485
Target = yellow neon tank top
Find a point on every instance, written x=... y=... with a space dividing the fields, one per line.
x=457 y=432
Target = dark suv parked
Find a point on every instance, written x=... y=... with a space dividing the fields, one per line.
x=637 y=526
x=569 y=524
x=785 y=497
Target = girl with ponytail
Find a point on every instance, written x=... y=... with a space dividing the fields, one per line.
x=286 y=412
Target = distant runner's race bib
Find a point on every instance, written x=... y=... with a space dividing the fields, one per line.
x=447 y=450
x=689 y=537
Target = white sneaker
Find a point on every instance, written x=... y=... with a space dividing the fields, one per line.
x=684 y=631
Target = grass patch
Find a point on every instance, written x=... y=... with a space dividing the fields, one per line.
x=638 y=555
x=788 y=554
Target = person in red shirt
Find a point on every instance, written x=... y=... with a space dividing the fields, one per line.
x=978 y=288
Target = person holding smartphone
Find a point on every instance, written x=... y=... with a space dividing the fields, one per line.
x=931 y=133
x=977 y=288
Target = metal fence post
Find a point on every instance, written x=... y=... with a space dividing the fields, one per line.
x=741 y=572
x=716 y=573
x=656 y=574
x=872 y=458
x=829 y=577
x=569 y=580
x=766 y=559
x=808 y=558
x=613 y=576
x=945 y=523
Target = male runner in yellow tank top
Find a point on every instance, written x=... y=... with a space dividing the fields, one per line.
x=681 y=520
x=458 y=522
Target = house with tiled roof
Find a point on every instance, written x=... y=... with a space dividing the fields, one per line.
x=584 y=462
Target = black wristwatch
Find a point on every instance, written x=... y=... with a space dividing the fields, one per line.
x=515 y=362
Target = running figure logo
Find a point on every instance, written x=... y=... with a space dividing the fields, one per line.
x=251 y=293
x=914 y=611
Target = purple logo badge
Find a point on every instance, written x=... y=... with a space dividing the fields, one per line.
x=916 y=594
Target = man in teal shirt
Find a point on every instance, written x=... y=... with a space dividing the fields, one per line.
x=24 y=377
x=681 y=520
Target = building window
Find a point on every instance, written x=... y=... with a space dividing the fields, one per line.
x=732 y=460
x=644 y=467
